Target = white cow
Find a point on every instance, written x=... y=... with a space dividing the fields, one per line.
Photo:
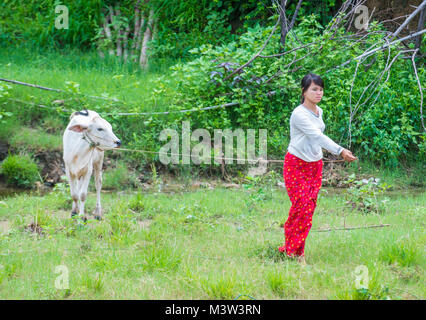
x=85 y=139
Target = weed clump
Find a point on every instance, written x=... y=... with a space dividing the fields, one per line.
x=20 y=171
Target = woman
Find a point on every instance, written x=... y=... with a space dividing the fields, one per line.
x=302 y=170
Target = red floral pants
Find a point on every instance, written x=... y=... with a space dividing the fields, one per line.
x=303 y=182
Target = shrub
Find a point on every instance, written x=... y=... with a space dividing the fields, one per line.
x=20 y=171
x=139 y=204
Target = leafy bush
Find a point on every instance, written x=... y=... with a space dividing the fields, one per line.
x=138 y=203
x=20 y=171
x=35 y=22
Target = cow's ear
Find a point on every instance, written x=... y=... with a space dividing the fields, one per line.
x=77 y=128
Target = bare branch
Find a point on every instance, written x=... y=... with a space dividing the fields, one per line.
x=420 y=88
x=420 y=26
x=365 y=54
x=419 y=8
x=284 y=27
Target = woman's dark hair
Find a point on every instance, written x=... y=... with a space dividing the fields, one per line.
x=308 y=79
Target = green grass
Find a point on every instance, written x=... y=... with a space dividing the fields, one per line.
x=36 y=140
x=137 y=90
x=206 y=244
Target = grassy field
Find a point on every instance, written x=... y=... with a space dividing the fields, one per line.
x=190 y=243
x=208 y=244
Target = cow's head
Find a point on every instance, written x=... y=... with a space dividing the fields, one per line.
x=95 y=129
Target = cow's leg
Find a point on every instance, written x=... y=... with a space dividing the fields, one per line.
x=83 y=184
x=74 y=192
x=97 y=168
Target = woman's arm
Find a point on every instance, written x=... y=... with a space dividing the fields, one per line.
x=302 y=122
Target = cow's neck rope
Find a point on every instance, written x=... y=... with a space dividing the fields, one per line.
x=91 y=142
x=92 y=147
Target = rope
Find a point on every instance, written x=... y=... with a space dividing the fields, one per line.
x=146 y=151
x=220 y=158
x=351 y=228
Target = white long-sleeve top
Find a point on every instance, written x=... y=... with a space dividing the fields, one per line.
x=306 y=135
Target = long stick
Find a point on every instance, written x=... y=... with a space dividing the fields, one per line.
x=30 y=85
x=420 y=88
x=351 y=228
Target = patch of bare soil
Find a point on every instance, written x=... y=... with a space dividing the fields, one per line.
x=51 y=166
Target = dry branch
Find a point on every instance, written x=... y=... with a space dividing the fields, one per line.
x=351 y=228
x=407 y=21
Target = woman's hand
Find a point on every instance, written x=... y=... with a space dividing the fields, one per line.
x=347 y=155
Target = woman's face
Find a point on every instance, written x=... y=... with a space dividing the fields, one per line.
x=314 y=93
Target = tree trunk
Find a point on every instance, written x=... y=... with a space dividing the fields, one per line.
x=119 y=32
x=283 y=20
x=125 y=43
x=143 y=61
x=139 y=38
x=136 y=30
x=107 y=30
